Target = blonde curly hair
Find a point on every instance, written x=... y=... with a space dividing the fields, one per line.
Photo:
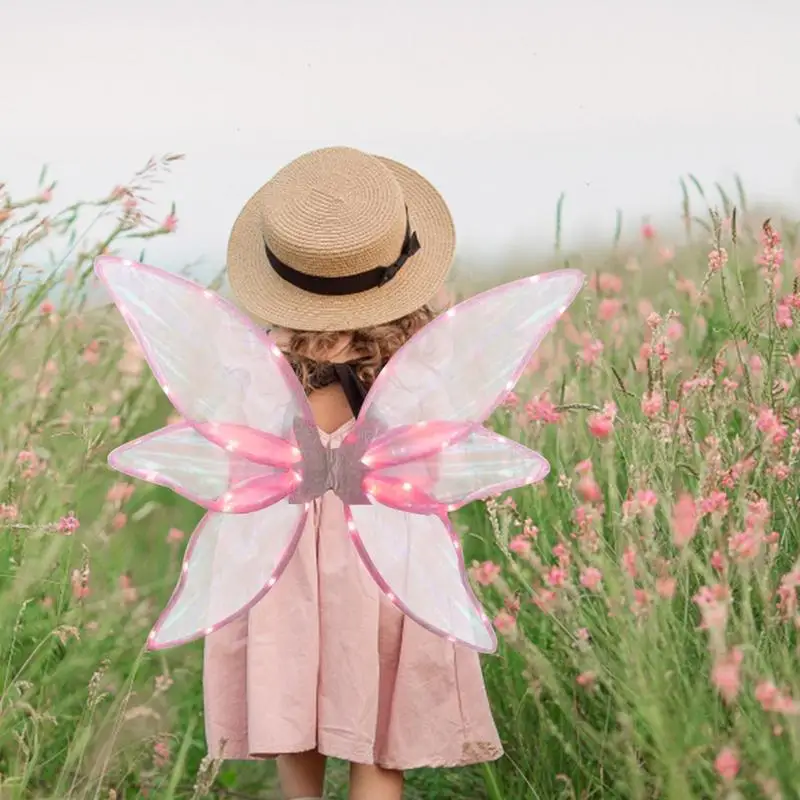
x=371 y=347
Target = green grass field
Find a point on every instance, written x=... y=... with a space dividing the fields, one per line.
x=645 y=593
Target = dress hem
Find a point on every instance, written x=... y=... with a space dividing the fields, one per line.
x=474 y=754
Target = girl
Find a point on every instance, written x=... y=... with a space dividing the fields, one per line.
x=340 y=255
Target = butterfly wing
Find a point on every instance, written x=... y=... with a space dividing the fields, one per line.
x=222 y=373
x=416 y=560
x=478 y=465
x=180 y=458
x=433 y=453
x=211 y=360
x=231 y=562
x=462 y=365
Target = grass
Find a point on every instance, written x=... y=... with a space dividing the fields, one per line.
x=645 y=592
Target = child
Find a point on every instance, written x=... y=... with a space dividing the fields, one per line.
x=340 y=255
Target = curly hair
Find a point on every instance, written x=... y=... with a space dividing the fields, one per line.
x=372 y=347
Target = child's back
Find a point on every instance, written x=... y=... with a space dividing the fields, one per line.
x=324 y=664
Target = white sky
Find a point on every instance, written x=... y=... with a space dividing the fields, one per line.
x=503 y=104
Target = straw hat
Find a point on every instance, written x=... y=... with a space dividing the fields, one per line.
x=340 y=240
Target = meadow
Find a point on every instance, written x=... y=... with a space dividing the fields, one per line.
x=645 y=593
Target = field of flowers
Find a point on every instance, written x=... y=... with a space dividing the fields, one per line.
x=645 y=593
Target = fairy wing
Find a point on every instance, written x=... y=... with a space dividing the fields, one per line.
x=211 y=360
x=231 y=562
x=455 y=372
x=223 y=374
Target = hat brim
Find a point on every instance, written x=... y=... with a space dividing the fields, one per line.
x=272 y=301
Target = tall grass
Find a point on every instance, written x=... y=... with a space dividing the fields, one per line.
x=645 y=592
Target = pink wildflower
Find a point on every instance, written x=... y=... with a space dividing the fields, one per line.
x=170 y=223
x=520 y=545
x=542 y=410
x=608 y=309
x=646 y=499
x=161 y=754
x=601 y=425
x=584 y=467
x=674 y=331
x=787 y=594
x=717 y=259
x=586 y=679
x=505 y=623
x=783 y=315
x=648 y=231
x=641 y=602
x=556 y=577
x=91 y=354
x=770 y=425
x=744 y=546
x=767 y=693
x=715 y=503
x=713 y=605
x=725 y=674
x=545 y=599
x=770 y=258
x=80 y=584
x=684 y=520
x=562 y=554
x=119 y=492
x=69 y=524
x=589 y=490
x=130 y=594
x=511 y=401
x=591 y=578
x=727 y=764
x=652 y=404
x=176 y=535
x=629 y=561
x=485 y=573
x=591 y=351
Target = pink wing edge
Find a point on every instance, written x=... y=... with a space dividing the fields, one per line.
x=397 y=603
x=100 y=265
x=178 y=590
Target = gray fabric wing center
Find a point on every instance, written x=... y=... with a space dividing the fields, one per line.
x=336 y=469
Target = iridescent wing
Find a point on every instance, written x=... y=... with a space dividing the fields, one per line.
x=211 y=360
x=231 y=562
x=240 y=399
x=434 y=454
x=416 y=560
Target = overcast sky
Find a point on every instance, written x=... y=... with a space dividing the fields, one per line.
x=502 y=104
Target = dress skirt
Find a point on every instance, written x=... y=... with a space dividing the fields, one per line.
x=325 y=662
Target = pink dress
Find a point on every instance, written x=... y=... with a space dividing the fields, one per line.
x=325 y=661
